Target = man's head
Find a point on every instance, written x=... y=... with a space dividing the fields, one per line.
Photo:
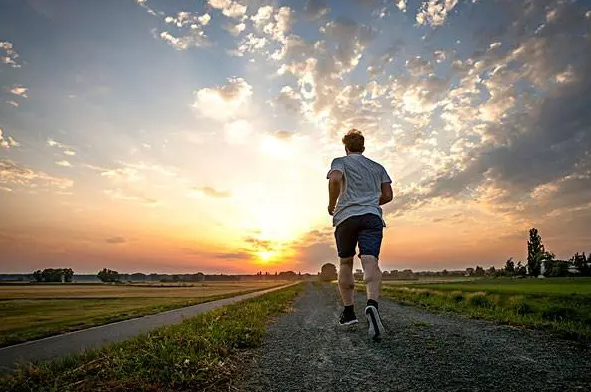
x=354 y=141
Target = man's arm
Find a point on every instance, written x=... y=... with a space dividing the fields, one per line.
x=386 y=196
x=335 y=181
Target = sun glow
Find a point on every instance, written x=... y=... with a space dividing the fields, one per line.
x=266 y=255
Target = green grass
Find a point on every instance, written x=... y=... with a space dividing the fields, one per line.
x=549 y=286
x=31 y=318
x=560 y=306
x=199 y=353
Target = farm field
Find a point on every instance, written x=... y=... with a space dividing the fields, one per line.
x=35 y=311
x=198 y=354
x=559 y=305
x=548 y=286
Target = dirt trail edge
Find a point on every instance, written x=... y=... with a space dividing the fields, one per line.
x=307 y=351
x=94 y=337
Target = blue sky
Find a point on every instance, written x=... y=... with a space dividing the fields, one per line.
x=187 y=135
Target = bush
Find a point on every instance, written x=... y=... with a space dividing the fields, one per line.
x=480 y=300
x=457 y=296
x=559 y=313
x=522 y=307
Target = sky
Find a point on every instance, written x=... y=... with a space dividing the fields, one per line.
x=186 y=136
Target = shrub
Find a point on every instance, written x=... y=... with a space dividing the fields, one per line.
x=480 y=300
x=522 y=307
x=457 y=296
x=559 y=313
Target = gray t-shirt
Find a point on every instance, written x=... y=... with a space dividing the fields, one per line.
x=362 y=187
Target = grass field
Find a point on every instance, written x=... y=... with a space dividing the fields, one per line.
x=198 y=354
x=559 y=305
x=35 y=311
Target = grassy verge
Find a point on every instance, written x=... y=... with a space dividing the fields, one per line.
x=35 y=318
x=568 y=316
x=199 y=353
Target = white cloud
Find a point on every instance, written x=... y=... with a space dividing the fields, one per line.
x=7 y=142
x=237 y=131
x=262 y=16
x=8 y=56
x=13 y=103
x=204 y=19
x=184 y=18
x=13 y=173
x=223 y=102
x=401 y=5
x=63 y=163
x=434 y=12
x=19 y=90
x=70 y=153
x=196 y=38
x=250 y=44
x=283 y=19
x=234 y=29
x=231 y=9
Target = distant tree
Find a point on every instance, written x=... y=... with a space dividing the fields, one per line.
x=107 y=275
x=68 y=274
x=491 y=271
x=520 y=269
x=535 y=253
x=328 y=272
x=582 y=263
x=444 y=273
x=479 y=271
x=469 y=271
x=510 y=267
x=38 y=275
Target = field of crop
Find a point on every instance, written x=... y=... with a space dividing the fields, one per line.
x=36 y=311
x=197 y=354
x=560 y=305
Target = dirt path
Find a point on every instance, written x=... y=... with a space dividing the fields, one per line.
x=94 y=337
x=307 y=351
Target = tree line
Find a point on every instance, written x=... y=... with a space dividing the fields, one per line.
x=539 y=262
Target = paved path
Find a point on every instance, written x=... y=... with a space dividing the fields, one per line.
x=306 y=351
x=75 y=342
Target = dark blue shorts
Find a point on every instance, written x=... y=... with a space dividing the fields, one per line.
x=365 y=230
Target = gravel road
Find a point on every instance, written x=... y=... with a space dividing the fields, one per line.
x=307 y=350
x=78 y=341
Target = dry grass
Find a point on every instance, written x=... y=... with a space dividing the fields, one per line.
x=146 y=290
x=35 y=311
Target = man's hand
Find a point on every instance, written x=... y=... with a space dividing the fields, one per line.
x=331 y=210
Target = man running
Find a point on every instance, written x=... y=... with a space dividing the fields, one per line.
x=361 y=186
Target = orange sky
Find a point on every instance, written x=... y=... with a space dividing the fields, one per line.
x=157 y=139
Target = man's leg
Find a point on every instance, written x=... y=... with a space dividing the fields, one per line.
x=346 y=281
x=346 y=238
x=373 y=277
x=370 y=241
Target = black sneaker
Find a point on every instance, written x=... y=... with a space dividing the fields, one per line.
x=376 y=328
x=348 y=318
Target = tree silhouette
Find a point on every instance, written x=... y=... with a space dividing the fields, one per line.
x=535 y=253
x=328 y=272
x=510 y=267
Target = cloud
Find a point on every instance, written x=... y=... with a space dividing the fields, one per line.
x=7 y=142
x=263 y=14
x=315 y=9
x=19 y=90
x=8 y=56
x=63 y=163
x=434 y=12
x=231 y=9
x=183 y=19
x=14 y=173
x=212 y=192
x=115 y=240
x=196 y=38
x=401 y=5
x=236 y=132
x=223 y=102
x=234 y=29
x=131 y=196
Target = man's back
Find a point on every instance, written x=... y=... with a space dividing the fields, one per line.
x=361 y=190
